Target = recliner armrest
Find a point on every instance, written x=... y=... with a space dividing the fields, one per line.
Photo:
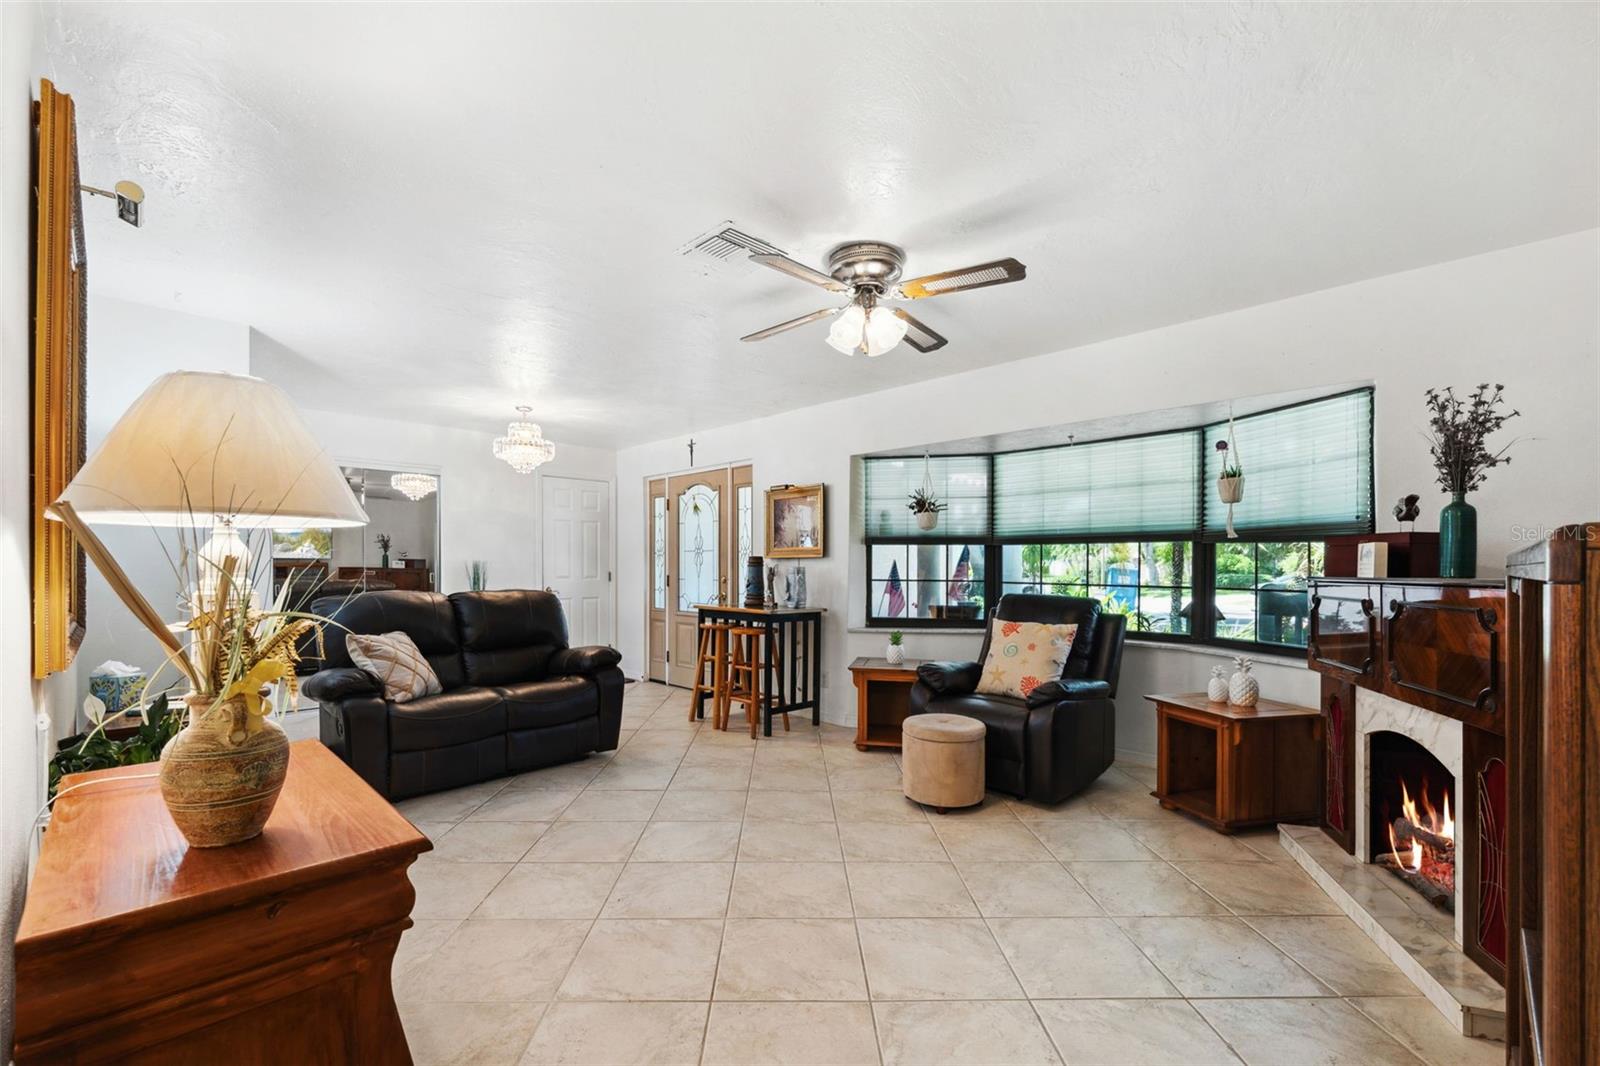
x=587 y=660
x=1069 y=688
x=340 y=683
x=950 y=678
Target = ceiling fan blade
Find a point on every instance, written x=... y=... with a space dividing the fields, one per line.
x=919 y=336
x=998 y=272
x=788 y=266
x=783 y=327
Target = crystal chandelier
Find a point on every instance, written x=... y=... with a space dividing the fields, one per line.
x=414 y=486
x=523 y=446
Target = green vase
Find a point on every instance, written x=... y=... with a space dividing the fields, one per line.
x=1458 y=538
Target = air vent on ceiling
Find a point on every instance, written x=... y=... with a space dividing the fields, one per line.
x=726 y=246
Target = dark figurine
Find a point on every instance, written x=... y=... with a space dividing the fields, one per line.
x=1407 y=510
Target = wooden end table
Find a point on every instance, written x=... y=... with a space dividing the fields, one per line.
x=883 y=699
x=1233 y=767
x=136 y=948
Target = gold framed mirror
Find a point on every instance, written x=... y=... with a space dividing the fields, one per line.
x=58 y=368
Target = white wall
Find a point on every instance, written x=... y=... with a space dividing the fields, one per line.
x=1523 y=316
x=487 y=510
x=130 y=345
x=23 y=746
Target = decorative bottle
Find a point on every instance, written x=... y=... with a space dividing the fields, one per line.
x=1217 y=687
x=1243 y=690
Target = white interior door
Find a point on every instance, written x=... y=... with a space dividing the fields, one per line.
x=577 y=554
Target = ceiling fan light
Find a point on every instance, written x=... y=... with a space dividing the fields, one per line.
x=884 y=330
x=845 y=335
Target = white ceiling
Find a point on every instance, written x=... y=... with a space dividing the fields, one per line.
x=440 y=211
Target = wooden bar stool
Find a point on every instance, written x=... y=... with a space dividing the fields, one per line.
x=712 y=659
x=745 y=672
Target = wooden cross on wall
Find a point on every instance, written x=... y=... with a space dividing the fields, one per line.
x=691 y=452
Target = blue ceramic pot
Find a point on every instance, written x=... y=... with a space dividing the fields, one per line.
x=1458 y=538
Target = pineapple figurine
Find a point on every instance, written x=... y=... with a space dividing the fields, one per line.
x=1243 y=690
x=1217 y=687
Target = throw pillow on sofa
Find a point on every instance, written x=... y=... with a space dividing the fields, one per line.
x=1024 y=655
x=394 y=659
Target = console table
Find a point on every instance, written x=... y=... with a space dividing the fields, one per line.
x=135 y=948
x=1238 y=766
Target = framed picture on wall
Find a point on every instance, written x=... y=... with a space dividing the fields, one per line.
x=795 y=522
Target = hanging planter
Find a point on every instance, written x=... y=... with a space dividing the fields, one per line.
x=1230 y=483
x=924 y=504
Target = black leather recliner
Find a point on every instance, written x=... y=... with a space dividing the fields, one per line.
x=516 y=696
x=1063 y=736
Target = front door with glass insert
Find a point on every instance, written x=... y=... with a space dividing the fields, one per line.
x=698 y=520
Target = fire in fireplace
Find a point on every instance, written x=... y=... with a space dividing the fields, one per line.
x=1413 y=832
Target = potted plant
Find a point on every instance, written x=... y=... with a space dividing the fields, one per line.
x=926 y=507
x=1458 y=434
x=384 y=541
x=896 y=652
x=1230 y=480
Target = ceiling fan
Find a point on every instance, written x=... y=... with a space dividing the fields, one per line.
x=869 y=271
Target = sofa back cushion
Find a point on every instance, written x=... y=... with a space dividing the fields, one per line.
x=508 y=635
x=425 y=617
x=1056 y=610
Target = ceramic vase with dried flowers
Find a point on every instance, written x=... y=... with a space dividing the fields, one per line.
x=384 y=541
x=1458 y=432
x=221 y=775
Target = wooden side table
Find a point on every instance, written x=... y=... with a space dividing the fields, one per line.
x=1233 y=767
x=883 y=699
x=136 y=948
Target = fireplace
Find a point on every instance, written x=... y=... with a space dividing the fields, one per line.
x=1412 y=833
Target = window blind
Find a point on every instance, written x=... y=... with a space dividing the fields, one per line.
x=1307 y=470
x=960 y=482
x=1138 y=485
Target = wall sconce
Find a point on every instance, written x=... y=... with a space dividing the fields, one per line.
x=129 y=197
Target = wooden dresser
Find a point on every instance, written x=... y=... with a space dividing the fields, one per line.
x=135 y=948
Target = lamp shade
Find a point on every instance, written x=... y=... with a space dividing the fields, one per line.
x=198 y=447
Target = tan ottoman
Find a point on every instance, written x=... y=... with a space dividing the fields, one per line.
x=941 y=757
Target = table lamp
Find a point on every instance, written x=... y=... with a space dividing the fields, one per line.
x=201 y=449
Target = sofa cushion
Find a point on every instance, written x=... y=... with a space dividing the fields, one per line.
x=1041 y=607
x=1024 y=655
x=425 y=617
x=393 y=658
x=508 y=635
x=447 y=719
x=537 y=704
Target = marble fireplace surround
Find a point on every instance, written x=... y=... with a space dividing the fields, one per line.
x=1442 y=736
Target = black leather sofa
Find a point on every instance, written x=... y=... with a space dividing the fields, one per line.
x=1063 y=736
x=516 y=696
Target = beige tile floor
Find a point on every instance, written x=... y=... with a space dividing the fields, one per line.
x=699 y=897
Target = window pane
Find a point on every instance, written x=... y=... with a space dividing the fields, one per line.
x=1236 y=565
x=933 y=581
x=1164 y=610
x=698 y=521
x=1114 y=564
x=1272 y=607
x=1020 y=564
x=1282 y=596
x=745 y=504
x=658 y=552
